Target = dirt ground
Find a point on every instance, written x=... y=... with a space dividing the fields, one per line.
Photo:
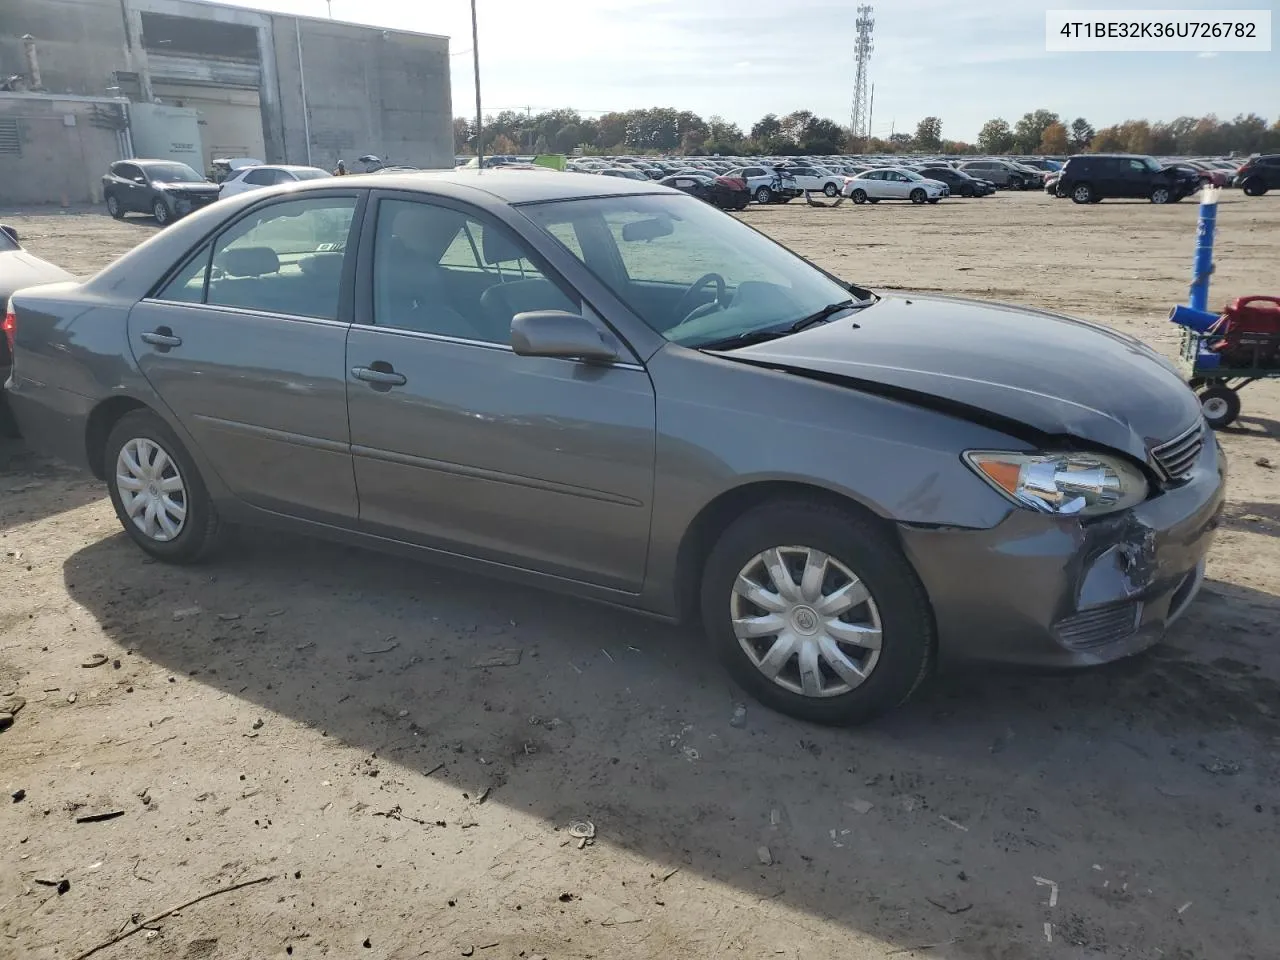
x=401 y=751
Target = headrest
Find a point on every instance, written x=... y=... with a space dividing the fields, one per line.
x=497 y=247
x=250 y=261
x=321 y=264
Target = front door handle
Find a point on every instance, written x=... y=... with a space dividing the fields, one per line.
x=379 y=374
x=162 y=337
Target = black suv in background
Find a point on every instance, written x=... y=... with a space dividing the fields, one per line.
x=163 y=188
x=1119 y=176
x=1259 y=174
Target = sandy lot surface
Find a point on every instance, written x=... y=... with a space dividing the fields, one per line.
x=401 y=751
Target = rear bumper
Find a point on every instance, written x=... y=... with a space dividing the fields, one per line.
x=52 y=421
x=1045 y=591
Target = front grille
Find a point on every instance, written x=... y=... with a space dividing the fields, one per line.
x=1096 y=628
x=1178 y=456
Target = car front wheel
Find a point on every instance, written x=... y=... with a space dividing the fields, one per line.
x=157 y=491
x=113 y=206
x=160 y=210
x=1161 y=195
x=918 y=196
x=816 y=611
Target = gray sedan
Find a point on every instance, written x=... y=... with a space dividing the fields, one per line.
x=608 y=388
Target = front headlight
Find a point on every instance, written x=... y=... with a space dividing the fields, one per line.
x=1081 y=484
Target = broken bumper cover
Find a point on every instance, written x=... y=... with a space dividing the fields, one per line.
x=1051 y=591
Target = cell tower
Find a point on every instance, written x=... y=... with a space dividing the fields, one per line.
x=860 y=120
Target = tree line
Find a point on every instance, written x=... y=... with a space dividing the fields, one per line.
x=666 y=130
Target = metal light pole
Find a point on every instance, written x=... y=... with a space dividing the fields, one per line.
x=475 y=56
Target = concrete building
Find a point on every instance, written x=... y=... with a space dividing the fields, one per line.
x=83 y=79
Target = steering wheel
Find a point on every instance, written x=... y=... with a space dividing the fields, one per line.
x=684 y=312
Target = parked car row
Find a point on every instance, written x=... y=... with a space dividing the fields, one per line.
x=168 y=190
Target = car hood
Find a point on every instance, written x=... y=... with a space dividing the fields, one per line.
x=1054 y=374
x=20 y=269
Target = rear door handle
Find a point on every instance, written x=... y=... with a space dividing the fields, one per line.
x=382 y=378
x=162 y=337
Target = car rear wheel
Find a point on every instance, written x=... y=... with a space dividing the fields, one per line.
x=1161 y=195
x=816 y=612
x=830 y=190
x=160 y=210
x=1082 y=193
x=859 y=196
x=764 y=195
x=113 y=206
x=157 y=491
x=918 y=196
x=1254 y=187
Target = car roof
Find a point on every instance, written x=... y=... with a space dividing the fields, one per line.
x=509 y=186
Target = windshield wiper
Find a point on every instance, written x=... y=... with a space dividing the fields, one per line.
x=830 y=310
x=749 y=337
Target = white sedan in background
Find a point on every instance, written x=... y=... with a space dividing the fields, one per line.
x=893 y=183
x=268 y=175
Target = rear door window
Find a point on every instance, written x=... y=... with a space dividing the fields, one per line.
x=287 y=258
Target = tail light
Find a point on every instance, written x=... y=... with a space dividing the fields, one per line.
x=10 y=328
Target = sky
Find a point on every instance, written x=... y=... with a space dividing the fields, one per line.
x=965 y=61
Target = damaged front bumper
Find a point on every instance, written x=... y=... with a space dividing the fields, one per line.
x=1054 y=591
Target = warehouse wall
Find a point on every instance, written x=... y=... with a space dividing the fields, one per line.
x=366 y=91
x=79 y=44
x=57 y=157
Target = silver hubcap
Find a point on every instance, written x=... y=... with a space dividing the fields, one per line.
x=806 y=621
x=1160 y=196
x=151 y=489
x=1215 y=408
x=1082 y=194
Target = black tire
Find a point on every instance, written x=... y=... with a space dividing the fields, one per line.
x=1254 y=186
x=160 y=210
x=830 y=190
x=1082 y=193
x=918 y=196
x=859 y=196
x=764 y=195
x=1220 y=404
x=1161 y=194
x=966 y=190
x=114 y=207
x=1017 y=183
x=907 y=648
x=198 y=538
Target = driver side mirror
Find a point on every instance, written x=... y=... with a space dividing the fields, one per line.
x=557 y=333
x=10 y=232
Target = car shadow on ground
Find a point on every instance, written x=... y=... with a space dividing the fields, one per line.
x=926 y=828
x=23 y=472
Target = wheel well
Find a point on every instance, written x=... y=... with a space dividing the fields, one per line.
x=101 y=422
x=715 y=517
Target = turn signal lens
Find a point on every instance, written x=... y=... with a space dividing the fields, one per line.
x=1083 y=484
x=10 y=329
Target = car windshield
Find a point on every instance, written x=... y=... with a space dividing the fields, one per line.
x=172 y=173
x=665 y=257
x=311 y=174
x=1152 y=164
